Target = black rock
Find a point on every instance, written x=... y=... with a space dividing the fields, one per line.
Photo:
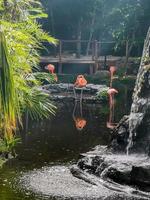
x=140 y=176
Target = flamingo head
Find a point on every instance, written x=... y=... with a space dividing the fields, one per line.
x=50 y=68
x=112 y=69
x=112 y=91
x=80 y=76
x=111 y=125
x=80 y=81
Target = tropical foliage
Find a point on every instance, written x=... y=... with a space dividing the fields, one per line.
x=21 y=38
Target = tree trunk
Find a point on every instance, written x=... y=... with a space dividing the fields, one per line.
x=91 y=34
x=52 y=19
x=128 y=51
x=79 y=34
x=129 y=47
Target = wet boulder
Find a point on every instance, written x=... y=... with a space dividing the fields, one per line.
x=133 y=170
x=121 y=134
x=64 y=92
x=80 y=174
x=118 y=173
x=140 y=176
x=90 y=163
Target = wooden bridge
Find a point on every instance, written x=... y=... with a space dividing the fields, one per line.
x=79 y=52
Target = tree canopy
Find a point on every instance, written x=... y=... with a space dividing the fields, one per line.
x=103 y=20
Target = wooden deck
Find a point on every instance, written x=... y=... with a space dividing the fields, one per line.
x=75 y=52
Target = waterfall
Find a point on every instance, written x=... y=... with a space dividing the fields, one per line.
x=135 y=120
x=140 y=103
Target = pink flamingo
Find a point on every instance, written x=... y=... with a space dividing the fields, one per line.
x=81 y=82
x=111 y=92
x=51 y=69
x=112 y=70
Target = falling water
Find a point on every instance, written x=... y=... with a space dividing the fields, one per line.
x=140 y=103
x=135 y=120
x=138 y=110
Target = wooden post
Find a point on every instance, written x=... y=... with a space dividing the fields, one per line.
x=96 y=49
x=91 y=69
x=78 y=54
x=127 y=47
x=60 y=58
x=93 y=53
x=126 y=59
x=95 y=67
x=55 y=51
x=105 y=62
x=79 y=34
x=96 y=56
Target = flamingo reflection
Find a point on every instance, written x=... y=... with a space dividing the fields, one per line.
x=79 y=120
x=80 y=123
x=111 y=92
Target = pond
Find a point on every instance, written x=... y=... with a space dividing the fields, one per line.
x=57 y=142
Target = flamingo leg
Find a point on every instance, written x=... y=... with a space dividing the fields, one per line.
x=81 y=102
x=81 y=95
x=111 y=78
x=68 y=88
x=74 y=110
x=110 y=114
x=75 y=95
x=113 y=108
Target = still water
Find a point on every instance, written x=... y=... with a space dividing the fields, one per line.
x=57 y=142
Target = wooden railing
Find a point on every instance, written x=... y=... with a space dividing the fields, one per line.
x=80 y=48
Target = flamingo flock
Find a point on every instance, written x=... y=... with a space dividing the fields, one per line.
x=80 y=83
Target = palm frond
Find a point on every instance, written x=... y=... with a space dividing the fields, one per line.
x=20 y=42
x=8 y=99
x=38 y=104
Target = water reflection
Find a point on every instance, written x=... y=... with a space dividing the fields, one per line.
x=111 y=122
x=111 y=93
x=79 y=120
x=56 y=141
